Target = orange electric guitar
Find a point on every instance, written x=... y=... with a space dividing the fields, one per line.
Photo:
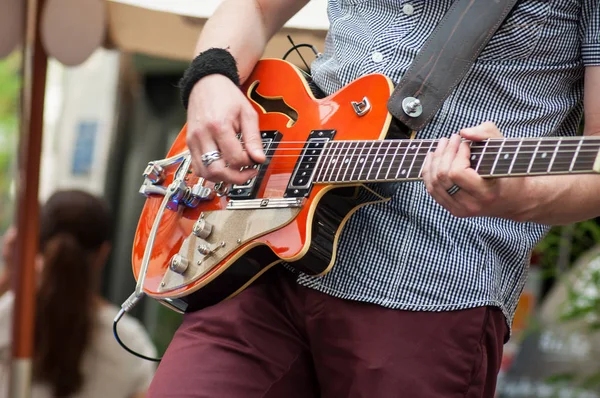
x=198 y=243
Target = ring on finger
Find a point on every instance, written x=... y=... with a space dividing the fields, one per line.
x=453 y=189
x=209 y=157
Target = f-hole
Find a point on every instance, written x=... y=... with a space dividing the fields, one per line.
x=273 y=104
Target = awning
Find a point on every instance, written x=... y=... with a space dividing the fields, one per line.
x=170 y=28
x=73 y=29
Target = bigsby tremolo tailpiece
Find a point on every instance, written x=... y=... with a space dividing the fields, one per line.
x=154 y=176
x=171 y=194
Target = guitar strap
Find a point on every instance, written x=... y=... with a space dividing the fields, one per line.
x=445 y=59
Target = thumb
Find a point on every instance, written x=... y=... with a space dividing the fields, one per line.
x=481 y=132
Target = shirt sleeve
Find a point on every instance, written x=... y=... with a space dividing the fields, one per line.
x=590 y=43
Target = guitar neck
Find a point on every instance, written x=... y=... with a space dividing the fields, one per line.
x=402 y=160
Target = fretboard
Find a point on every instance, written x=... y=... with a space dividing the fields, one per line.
x=400 y=160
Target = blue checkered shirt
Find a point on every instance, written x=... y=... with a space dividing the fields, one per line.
x=410 y=253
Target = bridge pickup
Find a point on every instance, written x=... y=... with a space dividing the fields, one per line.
x=247 y=190
x=301 y=182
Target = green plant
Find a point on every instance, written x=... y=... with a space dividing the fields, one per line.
x=10 y=82
x=576 y=239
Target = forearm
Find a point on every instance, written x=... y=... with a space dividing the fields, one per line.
x=245 y=27
x=556 y=200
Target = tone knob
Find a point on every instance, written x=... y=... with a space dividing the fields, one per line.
x=179 y=264
x=202 y=229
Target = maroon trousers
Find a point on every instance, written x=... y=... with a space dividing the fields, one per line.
x=279 y=339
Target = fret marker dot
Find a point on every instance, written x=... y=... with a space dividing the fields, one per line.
x=506 y=156
x=403 y=172
x=473 y=157
x=544 y=155
x=413 y=146
x=333 y=160
x=378 y=160
x=346 y=160
x=361 y=160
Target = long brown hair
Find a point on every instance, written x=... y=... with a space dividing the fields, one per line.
x=73 y=227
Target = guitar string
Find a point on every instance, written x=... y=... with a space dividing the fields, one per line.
x=483 y=169
x=368 y=151
x=481 y=148
x=488 y=157
x=399 y=144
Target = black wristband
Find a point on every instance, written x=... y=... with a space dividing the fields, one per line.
x=210 y=62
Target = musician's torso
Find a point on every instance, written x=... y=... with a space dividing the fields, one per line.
x=411 y=253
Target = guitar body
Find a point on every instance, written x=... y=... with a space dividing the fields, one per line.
x=226 y=240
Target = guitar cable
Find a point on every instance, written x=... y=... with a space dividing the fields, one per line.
x=295 y=47
x=126 y=307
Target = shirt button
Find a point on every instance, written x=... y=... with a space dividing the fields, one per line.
x=408 y=9
x=377 y=57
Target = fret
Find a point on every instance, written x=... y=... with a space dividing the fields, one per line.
x=487 y=158
x=414 y=154
x=370 y=161
x=388 y=160
x=392 y=163
x=515 y=156
x=360 y=160
x=376 y=160
x=503 y=158
x=523 y=158
x=324 y=161
x=533 y=156
x=339 y=159
x=554 y=155
x=421 y=161
x=543 y=156
x=575 y=155
x=381 y=160
x=348 y=159
x=586 y=156
x=400 y=169
x=334 y=161
x=477 y=145
x=354 y=160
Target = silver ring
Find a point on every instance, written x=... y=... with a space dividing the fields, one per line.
x=209 y=157
x=453 y=189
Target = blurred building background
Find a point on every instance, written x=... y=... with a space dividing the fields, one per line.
x=106 y=118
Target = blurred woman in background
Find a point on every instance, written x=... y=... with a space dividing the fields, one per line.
x=76 y=354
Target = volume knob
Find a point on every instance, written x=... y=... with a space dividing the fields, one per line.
x=202 y=229
x=179 y=264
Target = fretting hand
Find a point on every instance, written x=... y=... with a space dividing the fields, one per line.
x=452 y=182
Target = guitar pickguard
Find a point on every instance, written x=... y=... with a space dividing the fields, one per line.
x=231 y=229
